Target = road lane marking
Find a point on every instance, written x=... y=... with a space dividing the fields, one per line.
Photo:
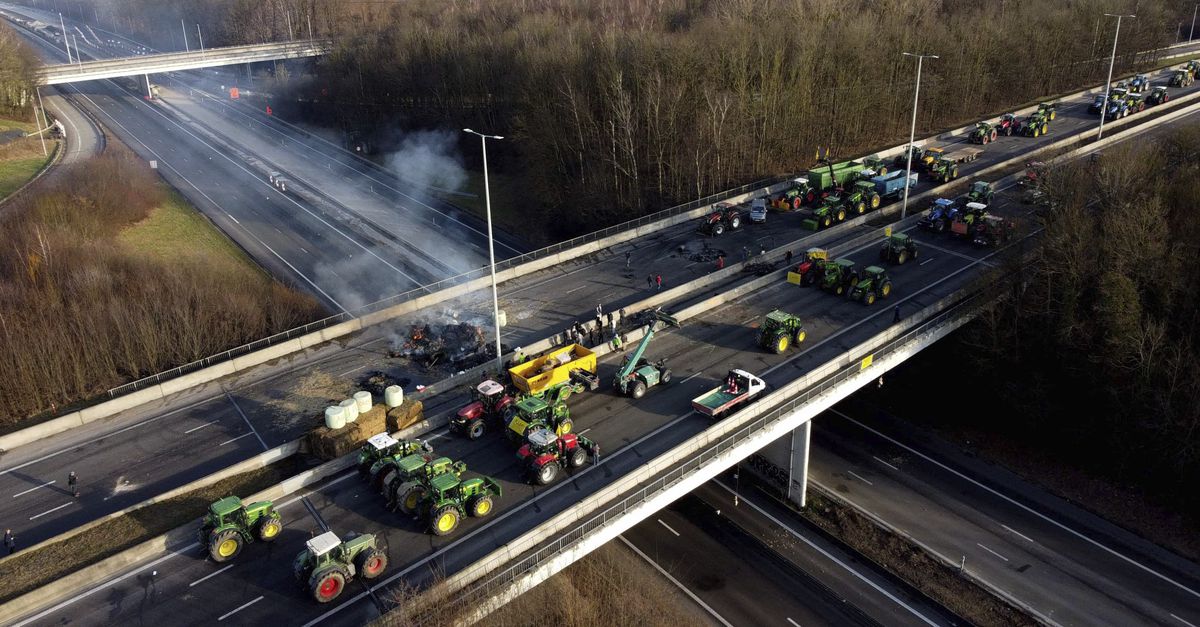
x=585 y=431
x=207 y=424
x=793 y=622
x=351 y=371
x=34 y=488
x=927 y=261
x=859 y=477
x=576 y=289
x=991 y=551
x=1182 y=621
x=677 y=583
x=1024 y=507
x=660 y=521
x=240 y=609
x=253 y=431
x=1025 y=537
x=886 y=464
x=244 y=435
x=210 y=575
x=692 y=377
x=36 y=516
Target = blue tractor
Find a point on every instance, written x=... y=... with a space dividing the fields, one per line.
x=941 y=214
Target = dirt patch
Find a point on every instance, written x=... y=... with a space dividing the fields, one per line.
x=28 y=570
x=303 y=404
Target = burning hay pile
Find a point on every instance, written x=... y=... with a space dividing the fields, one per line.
x=458 y=345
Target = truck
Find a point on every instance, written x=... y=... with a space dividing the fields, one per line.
x=723 y=217
x=556 y=375
x=891 y=185
x=544 y=454
x=738 y=387
x=810 y=268
x=637 y=374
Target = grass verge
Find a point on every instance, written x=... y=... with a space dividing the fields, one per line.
x=175 y=231
x=22 y=158
x=28 y=570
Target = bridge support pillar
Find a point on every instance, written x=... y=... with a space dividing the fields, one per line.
x=149 y=94
x=784 y=464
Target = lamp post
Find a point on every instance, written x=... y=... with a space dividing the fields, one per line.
x=1111 y=62
x=487 y=194
x=1192 y=32
x=912 y=132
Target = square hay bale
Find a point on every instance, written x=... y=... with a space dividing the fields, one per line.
x=373 y=421
x=330 y=444
x=406 y=414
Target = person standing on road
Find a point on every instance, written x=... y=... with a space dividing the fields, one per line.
x=896 y=314
x=628 y=258
x=10 y=541
x=599 y=310
x=73 y=483
x=720 y=262
x=658 y=280
x=649 y=281
x=787 y=259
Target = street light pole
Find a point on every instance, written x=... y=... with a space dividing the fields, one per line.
x=1108 y=84
x=66 y=43
x=912 y=132
x=487 y=194
x=1192 y=33
x=182 y=27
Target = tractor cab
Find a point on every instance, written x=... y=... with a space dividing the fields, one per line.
x=975 y=209
x=322 y=546
x=1158 y=95
x=1139 y=83
x=540 y=442
x=981 y=191
x=533 y=412
x=796 y=196
x=227 y=511
x=1118 y=93
x=812 y=257
x=932 y=155
x=489 y=398
x=375 y=448
x=724 y=216
x=1193 y=68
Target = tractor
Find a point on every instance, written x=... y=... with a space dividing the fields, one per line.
x=991 y=230
x=967 y=219
x=800 y=193
x=1158 y=95
x=839 y=275
x=544 y=454
x=778 y=330
x=451 y=499
x=898 y=248
x=944 y=170
x=327 y=564
x=981 y=192
x=1181 y=78
x=1007 y=124
x=1117 y=105
x=382 y=449
x=810 y=268
x=1036 y=125
x=407 y=487
x=1097 y=104
x=1137 y=103
x=1193 y=67
x=876 y=165
x=723 y=217
x=941 y=212
x=861 y=196
x=1048 y=109
x=489 y=402
x=874 y=284
x=533 y=412
x=1139 y=84
x=637 y=374
x=984 y=133
x=832 y=209
x=901 y=160
x=230 y=524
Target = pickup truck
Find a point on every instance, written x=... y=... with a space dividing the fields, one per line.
x=738 y=387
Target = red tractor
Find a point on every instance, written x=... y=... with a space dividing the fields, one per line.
x=724 y=217
x=544 y=454
x=811 y=268
x=491 y=401
x=1007 y=125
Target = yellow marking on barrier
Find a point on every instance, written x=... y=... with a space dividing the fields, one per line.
x=867 y=361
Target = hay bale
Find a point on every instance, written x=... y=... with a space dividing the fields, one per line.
x=329 y=444
x=404 y=415
x=373 y=420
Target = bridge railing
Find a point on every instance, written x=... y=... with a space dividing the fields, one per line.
x=430 y=288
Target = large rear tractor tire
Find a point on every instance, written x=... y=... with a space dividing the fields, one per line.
x=885 y=290
x=638 y=390
x=994 y=135
x=371 y=563
x=565 y=426
x=735 y=223
x=328 y=584
x=269 y=528
x=781 y=343
x=546 y=474
x=476 y=428
x=444 y=521
x=409 y=496
x=225 y=545
x=577 y=458
x=481 y=505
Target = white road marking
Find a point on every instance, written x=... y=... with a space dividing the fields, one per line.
x=210 y=575
x=244 y=435
x=749 y=320
x=830 y=557
x=240 y=609
x=793 y=622
x=660 y=521
x=675 y=581
x=926 y=261
x=1018 y=533
x=34 y=488
x=207 y=424
x=36 y=516
x=351 y=371
x=991 y=551
x=576 y=289
x=1182 y=621
x=232 y=218
x=859 y=477
x=585 y=431
x=1024 y=507
x=247 y=420
x=885 y=463
x=692 y=377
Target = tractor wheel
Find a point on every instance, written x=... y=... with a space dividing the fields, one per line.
x=665 y=376
x=869 y=298
x=577 y=458
x=735 y=223
x=840 y=289
x=565 y=426
x=718 y=229
x=388 y=481
x=564 y=392
x=546 y=474
x=902 y=257
x=371 y=563
x=883 y=170
x=811 y=196
x=993 y=135
x=638 y=390
x=826 y=221
x=328 y=584
x=939 y=226
x=860 y=207
x=364 y=468
x=409 y=496
x=841 y=214
x=801 y=334
x=1008 y=131
x=885 y=290
x=1045 y=129
x=1141 y=107
x=225 y=545
x=781 y=343
x=914 y=253
x=444 y=521
x=269 y=528
x=876 y=201
x=797 y=202
x=476 y=429
x=1053 y=114
x=377 y=480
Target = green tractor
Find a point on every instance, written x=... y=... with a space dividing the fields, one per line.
x=874 y=284
x=637 y=374
x=229 y=524
x=1036 y=125
x=942 y=169
x=327 y=564
x=1049 y=110
x=832 y=209
x=839 y=276
x=407 y=488
x=381 y=452
x=1193 y=67
x=532 y=412
x=898 y=249
x=981 y=192
x=450 y=499
x=862 y=196
x=984 y=133
x=780 y=329
x=1181 y=78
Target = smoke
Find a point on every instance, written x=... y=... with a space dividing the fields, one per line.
x=429 y=159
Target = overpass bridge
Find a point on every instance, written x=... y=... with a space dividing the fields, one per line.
x=842 y=334
x=180 y=61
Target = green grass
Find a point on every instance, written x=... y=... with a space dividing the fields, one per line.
x=21 y=159
x=176 y=232
x=8 y=124
x=16 y=172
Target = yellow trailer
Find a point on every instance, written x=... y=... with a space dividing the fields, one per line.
x=558 y=373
